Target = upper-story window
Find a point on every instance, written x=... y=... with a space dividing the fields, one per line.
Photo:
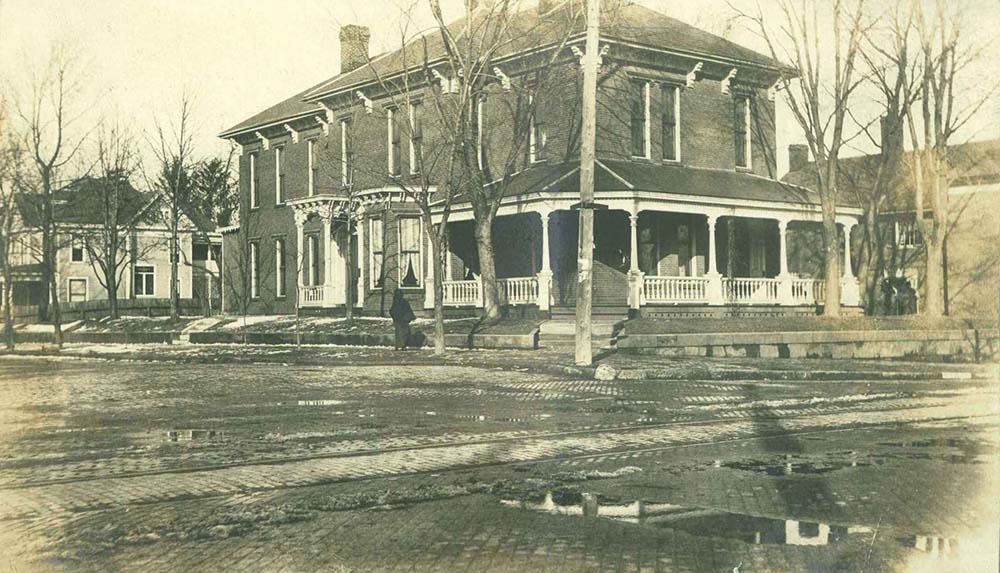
x=671 y=119
x=395 y=142
x=741 y=122
x=311 y=164
x=279 y=176
x=416 y=137
x=479 y=128
x=254 y=187
x=346 y=152
x=536 y=132
x=77 y=250
x=640 y=119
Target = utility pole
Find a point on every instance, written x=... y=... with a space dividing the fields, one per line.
x=588 y=144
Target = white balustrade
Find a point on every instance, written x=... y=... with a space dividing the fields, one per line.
x=521 y=290
x=675 y=289
x=751 y=291
x=312 y=295
x=461 y=293
x=808 y=291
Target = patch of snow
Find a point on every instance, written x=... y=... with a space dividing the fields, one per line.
x=252 y=320
x=200 y=325
x=38 y=328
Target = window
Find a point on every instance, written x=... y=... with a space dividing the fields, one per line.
x=254 y=187
x=395 y=143
x=144 y=281
x=279 y=177
x=671 y=113
x=254 y=270
x=416 y=137
x=77 y=290
x=312 y=260
x=200 y=252
x=536 y=133
x=409 y=252
x=741 y=122
x=76 y=252
x=279 y=267
x=908 y=234
x=640 y=119
x=478 y=129
x=311 y=150
x=346 y=153
x=377 y=227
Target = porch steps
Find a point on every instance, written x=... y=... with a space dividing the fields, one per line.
x=560 y=333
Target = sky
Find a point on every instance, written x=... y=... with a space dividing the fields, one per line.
x=135 y=58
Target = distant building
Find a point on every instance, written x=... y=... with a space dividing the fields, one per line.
x=79 y=214
x=696 y=223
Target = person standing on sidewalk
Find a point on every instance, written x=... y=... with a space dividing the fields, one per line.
x=402 y=315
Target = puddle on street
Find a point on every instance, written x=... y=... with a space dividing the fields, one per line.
x=704 y=522
x=792 y=467
x=193 y=435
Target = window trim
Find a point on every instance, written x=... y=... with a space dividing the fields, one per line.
x=416 y=138
x=254 y=188
x=255 y=269
x=152 y=273
x=312 y=270
x=747 y=136
x=279 y=186
x=77 y=242
x=647 y=144
x=69 y=289
x=280 y=267
x=399 y=251
x=394 y=170
x=311 y=166
x=536 y=149
x=373 y=277
x=345 y=152
x=676 y=90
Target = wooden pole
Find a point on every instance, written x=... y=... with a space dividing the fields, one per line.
x=588 y=144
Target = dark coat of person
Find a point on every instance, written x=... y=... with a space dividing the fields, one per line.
x=402 y=315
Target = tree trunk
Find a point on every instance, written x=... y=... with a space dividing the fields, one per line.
x=832 y=255
x=8 y=299
x=934 y=277
x=487 y=266
x=438 y=260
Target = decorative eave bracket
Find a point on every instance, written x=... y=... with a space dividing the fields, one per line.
x=504 y=79
x=322 y=121
x=295 y=133
x=772 y=92
x=692 y=76
x=328 y=110
x=369 y=105
x=265 y=142
x=238 y=145
x=581 y=55
x=448 y=86
x=728 y=81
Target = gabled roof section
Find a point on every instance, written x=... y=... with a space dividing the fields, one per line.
x=81 y=203
x=627 y=23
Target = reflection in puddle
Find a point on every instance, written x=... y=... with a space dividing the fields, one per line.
x=970 y=451
x=705 y=522
x=790 y=466
x=192 y=435
x=320 y=402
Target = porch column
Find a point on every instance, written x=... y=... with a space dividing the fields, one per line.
x=328 y=246
x=785 y=296
x=635 y=277
x=850 y=292
x=429 y=274
x=713 y=290
x=337 y=289
x=545 y=275
x=360 y=263
x=300 y=246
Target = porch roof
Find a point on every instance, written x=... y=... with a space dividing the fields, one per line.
x=624 y=175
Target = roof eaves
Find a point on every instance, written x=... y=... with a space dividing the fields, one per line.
x=231 y=132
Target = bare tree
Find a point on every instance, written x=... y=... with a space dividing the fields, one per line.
x=11 y=182
x=174 y=152
x=819 y=97
x=48 y=124
x=120 y=208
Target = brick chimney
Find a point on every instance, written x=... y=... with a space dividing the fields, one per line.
x=798 y=156
x=353 y=47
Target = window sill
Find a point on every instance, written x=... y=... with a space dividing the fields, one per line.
x=281 y=204
x=672 y=161
x=744 y=169
x=281 y=297
x=642 y=158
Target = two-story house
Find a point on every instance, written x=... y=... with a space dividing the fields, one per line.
x=142 y=265
x=693 y=220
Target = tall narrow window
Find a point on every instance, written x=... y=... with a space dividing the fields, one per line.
x=536 y=132
x=312 y=271
x=76 y=253
x=254 y=187
x=311 y=150
x=144 y=281
x=346 y=152
x=254 y=270
x=395 y=143
x=640 y=119
x=409 y=251
x=279 y=267
x=416 y=137
x=671 y=113
x=377 y=226
x=478 y=128
x=279 y=177
x=741 y=122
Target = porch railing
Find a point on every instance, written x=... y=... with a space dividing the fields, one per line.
x=521 y=290
x=751 y=291
x=675 y=289
x=461 y=293
x=808 y=291
x=311 y=295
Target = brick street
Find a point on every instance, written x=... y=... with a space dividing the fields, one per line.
x=484 y=463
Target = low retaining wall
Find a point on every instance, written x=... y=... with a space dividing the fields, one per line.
x=821 y=344
x=522 y=341
x=98 y=337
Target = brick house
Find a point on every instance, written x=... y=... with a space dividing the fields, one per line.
x=79 y=213
x=695 y=221
x=973 y=244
